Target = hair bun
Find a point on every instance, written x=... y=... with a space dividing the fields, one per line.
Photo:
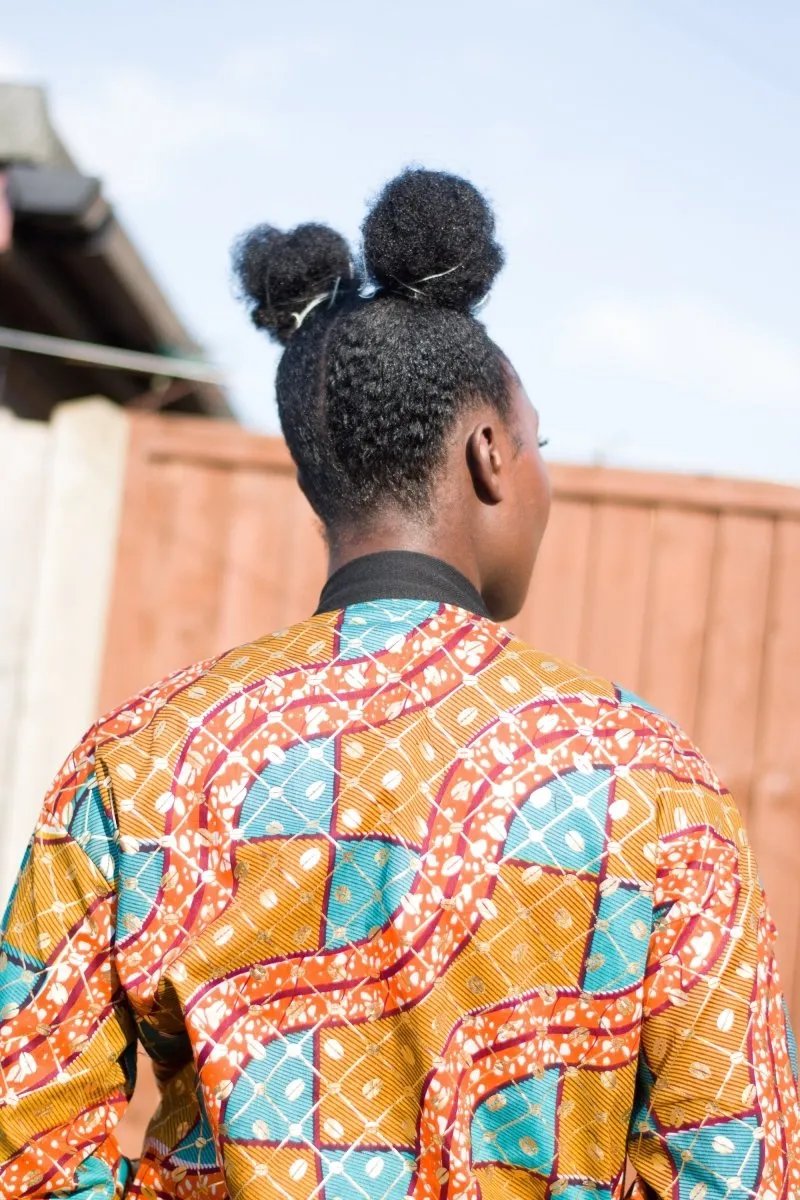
x=430 y=237
x=281 y=274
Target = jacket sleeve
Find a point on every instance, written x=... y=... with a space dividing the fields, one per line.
x=716 y=1111
x=67 y=1044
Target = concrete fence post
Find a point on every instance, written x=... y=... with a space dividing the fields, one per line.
x=61 y=507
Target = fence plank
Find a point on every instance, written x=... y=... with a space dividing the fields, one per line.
x=775 y=810
x=676 y=617
x=136 y=609
x=192 y=566
x=306 y=560
x=249 y=565
x=693 y=493
x=283 y=543
x=553 y=615
x=615 y=612
x=727 y=714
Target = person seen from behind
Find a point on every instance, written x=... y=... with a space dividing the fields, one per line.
x=398 y=905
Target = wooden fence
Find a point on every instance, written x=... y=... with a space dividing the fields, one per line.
x=684 y=589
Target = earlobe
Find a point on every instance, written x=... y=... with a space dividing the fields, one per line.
x=485 y=464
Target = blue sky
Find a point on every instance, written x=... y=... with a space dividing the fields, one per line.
x=641 y=154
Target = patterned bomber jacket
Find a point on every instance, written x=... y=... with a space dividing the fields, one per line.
x=400 y=908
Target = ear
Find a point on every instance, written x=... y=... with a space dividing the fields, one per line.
x=485 y=463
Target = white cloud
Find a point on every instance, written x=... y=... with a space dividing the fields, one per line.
x=688 y=347
x=137 y=129
x=15 y=65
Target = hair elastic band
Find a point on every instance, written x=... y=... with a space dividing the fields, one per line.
x=299 y=317
x=414 y=287
x=441 y=274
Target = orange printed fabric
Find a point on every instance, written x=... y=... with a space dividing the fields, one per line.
x=400 y=908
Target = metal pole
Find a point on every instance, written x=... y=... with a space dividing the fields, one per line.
x=160 y=365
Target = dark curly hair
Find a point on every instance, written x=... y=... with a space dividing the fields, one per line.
x=378 y=360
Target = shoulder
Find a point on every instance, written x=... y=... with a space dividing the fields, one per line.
x=192 y=710
x=608 y=722
x=546 y=676
x=82 y=771
x=590 y=734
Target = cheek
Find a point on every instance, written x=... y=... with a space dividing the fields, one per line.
x=546 y=493
x=539 y=494
x=524 y=534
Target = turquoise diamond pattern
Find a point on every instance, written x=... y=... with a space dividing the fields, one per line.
x=618 y=949
x=366 y=1173
x=724 y=1156
x=273 y=1099
x=293 y=794
x=791 y=1040
x=563 y=824
x=634 y=701
x=369 y=877
x=93 y=829
x=21 y=977
x=515 y=1125
x=379 y=625
x=140 y=874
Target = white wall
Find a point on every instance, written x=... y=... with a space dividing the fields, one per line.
x=60 y=502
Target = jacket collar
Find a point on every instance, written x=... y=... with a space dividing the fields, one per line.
x=399 y=575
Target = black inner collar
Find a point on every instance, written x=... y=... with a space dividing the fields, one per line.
x=399 y=575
